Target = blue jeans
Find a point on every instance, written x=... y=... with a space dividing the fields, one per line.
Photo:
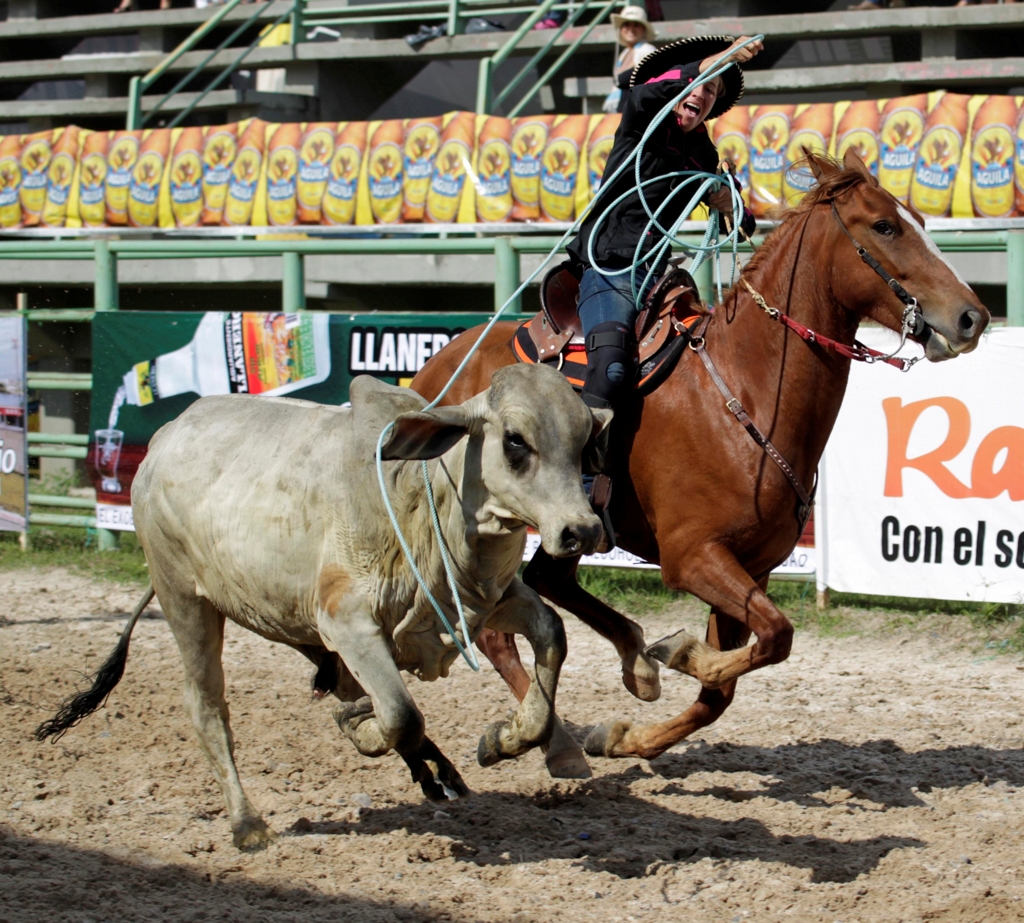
x=608 y=298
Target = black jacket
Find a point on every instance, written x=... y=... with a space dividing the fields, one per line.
x=668 y=150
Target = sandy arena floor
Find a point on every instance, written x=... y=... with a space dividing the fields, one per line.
x=864 y=780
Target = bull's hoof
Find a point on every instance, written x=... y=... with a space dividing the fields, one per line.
x=567 y=764
x=646 y=688
x=564 y=757
x=252 y=835
x=441 y=782
x=350 y=715
x=603 y=740
x=489 y=750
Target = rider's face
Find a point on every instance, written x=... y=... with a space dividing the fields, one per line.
x=695 y=108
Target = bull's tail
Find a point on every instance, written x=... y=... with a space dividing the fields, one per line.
x=77 y=707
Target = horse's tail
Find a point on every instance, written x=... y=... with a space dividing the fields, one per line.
x=80 y=706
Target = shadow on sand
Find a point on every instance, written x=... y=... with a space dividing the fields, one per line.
x=877 y=771
x=604 y=827
x=61 y=884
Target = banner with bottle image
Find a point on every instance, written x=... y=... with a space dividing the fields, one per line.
x=138 y=386
x=945 y=153
x=13 y=426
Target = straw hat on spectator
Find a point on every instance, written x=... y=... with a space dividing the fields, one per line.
x=635 y=14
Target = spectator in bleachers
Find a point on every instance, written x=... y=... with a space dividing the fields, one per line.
x=635 y=36
x=552 y=21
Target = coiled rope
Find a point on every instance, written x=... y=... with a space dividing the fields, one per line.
x=710 y=245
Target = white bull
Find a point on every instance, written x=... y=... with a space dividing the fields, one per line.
x=268 y=512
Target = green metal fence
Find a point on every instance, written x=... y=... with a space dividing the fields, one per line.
x=507 y=253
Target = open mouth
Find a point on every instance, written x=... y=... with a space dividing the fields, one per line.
x=692 y=107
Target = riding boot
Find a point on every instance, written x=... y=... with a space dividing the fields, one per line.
x=611 y=364
x=611 y=368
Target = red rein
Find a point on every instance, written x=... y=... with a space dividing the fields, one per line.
x=858 y=351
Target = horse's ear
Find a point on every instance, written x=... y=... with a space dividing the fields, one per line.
x=821 y=167
x=852 y=161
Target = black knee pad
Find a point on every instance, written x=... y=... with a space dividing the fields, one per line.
x=611 y=364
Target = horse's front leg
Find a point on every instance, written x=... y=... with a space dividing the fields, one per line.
x=555 y=579
x=650 y=740
x=714 y=575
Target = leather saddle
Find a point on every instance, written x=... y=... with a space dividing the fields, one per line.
x=671 y=311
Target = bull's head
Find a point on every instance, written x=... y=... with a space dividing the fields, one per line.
x=528 y=433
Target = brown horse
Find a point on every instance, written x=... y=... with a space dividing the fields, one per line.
x=692 y=491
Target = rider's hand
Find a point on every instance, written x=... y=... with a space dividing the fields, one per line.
x=722 y=200
x=734 y=53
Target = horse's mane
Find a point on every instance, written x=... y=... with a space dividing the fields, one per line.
x=829 y=187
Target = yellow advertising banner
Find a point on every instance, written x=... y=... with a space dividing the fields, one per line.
x=945 y=154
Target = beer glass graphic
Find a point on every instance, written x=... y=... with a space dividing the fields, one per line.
x=108 y=454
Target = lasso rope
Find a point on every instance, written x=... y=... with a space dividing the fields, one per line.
x=711 y=244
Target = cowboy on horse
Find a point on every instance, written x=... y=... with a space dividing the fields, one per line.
x=607 y=308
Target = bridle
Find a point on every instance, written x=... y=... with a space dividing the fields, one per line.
x=912 y=322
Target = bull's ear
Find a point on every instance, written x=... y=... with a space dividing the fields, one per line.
x=596 y=449
x=426 y=433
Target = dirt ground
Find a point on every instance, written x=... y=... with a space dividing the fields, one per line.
x=866 y=779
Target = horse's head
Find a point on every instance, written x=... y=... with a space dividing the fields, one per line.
x=952 y=316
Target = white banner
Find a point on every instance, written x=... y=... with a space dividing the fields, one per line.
x=114 y=517
x=801 y=562
x=923 y=478
x=13 y=417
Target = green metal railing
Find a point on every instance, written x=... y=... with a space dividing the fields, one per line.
x=507 y=253
x=138 y=85
x=487 y=99
x=106 y=254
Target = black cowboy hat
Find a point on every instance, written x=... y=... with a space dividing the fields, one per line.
x=686 y=51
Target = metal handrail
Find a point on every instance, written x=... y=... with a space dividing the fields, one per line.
x=540 y=53
x=546 y=77
x=138 y=85
x=485 y=98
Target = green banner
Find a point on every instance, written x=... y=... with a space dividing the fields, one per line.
x=149 y=366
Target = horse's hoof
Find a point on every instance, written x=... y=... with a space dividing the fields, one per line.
x=683 y=653
x=567 y=765
x=252 y=835
x=603 y=740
